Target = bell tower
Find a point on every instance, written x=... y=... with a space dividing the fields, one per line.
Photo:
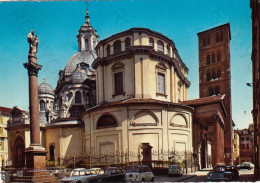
x=215 y=75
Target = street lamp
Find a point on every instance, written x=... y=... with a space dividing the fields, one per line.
x=249 y=84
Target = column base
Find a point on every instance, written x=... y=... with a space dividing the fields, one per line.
x=35 y=157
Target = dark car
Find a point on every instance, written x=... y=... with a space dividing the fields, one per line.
x=246 y=165
x=219 y=175
x=111 y=174
x=234 y=170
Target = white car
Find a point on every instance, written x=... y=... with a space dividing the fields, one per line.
x=79 y=175
x=174 y=170
x=139 y=173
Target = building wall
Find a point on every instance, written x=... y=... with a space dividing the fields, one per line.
x=255 y=6
x=140 y=70
x=236 y=148
x=246 y=145
x=3 y=138
x=212 y=48
x=163 y=128
x=67 y=141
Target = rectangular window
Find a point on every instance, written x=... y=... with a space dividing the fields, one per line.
x=118 y=83
x=217 y=37
x=204 y=42
x=221 y=36
x=161 y=83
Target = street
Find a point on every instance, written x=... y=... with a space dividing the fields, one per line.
x=200 y=176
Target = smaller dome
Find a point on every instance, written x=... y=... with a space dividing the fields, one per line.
x=45 y=88
x=78 y=77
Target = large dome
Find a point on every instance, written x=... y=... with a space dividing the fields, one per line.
x=45 y=88
x=84 y=56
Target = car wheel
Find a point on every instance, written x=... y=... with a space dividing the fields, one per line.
x=78 y=181
x=152 y=179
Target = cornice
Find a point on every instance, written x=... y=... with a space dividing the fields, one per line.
x=142 y=50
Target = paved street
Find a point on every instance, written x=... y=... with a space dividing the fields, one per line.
x=200 y=176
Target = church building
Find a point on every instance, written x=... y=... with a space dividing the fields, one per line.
x=120 y=94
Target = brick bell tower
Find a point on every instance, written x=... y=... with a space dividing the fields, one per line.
x=215 y=75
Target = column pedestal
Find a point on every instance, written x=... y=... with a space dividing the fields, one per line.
x=35 y=157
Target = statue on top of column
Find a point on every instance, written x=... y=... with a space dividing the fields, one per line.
x=33 y=43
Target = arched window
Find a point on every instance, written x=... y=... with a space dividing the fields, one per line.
x=117 y=46
x=217 y=90
x=86 y=44
x=42 y=105
x=52 y=157
x=52 y=106
x=218 y=57
x=78 y=97
x=168 y=50
x=211 y=91
x=213 y=58
x=160 y=46
x=208 y=59
x=108 y=49
x=106 y=121
x=151 y=42
x=208 y=75
x=60 y=102
x=127 y=43
x=69 y=96
x=219 y=73
x=214 y=74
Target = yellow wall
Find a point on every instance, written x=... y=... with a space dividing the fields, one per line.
x=154 y=126
x=139 y=74
x=67 y=141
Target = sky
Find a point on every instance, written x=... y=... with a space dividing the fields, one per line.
x=57 y=24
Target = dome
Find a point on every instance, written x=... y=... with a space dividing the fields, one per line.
x=84 y=56
x=45 y=88
x=78 y=77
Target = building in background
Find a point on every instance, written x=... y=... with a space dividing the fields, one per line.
x=247 y=144
x=236 y=148
x=215 y=75
x=4 y=117
x=255 y=6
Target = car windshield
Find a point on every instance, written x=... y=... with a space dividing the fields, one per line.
x=132 y=169
x=220 y=169
x=173 y=167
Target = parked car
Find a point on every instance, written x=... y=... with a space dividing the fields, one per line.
x=139 y=173
x=234 y=170
x=174 y=170
x=246 y=165
x=79 y=175
x=111 y=174
x=97 y=170
x=219 y=175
